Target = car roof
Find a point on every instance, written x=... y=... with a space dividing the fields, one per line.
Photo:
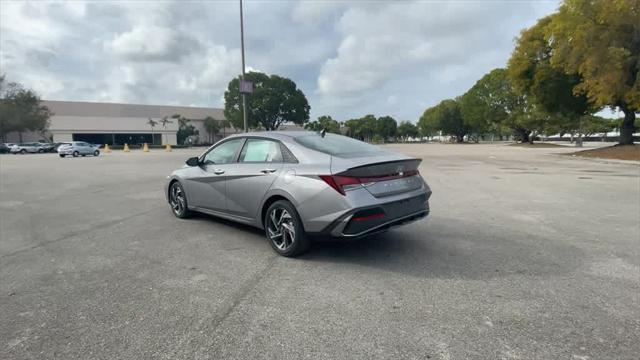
x=277 y=135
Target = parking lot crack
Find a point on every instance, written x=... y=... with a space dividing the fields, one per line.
x=76 y=233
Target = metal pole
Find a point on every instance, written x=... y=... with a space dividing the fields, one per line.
x=244 y=96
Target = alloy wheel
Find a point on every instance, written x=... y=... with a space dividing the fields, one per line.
x=177 y=200
x=281 y=228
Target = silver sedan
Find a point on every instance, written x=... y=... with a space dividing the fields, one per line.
x=301 y=185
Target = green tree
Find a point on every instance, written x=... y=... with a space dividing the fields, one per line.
x=407 y=130
x=495 y=99
x=386 y=127
x=592 y=124
x=325 y=122
x=600 y=41
x=21 y=110
x=363 y=128
x=212 y=126
x=185 y=130
x=532 y=74
x=428 y=124
x=445 y=117
x=274 y=100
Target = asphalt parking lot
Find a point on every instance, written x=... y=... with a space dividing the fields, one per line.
x=527 y=254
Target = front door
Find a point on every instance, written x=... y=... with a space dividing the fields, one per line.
x=259 y=164
x=206 y=186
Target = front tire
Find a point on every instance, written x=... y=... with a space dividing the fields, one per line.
x=23 y=151
x=61 y=155
x=75 y=154
x=283 y=228
x=178 y=201
x=96 y=153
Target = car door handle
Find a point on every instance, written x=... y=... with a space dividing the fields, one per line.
x=268 y=171
x=218 y=171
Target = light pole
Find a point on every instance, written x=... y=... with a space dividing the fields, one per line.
x=244 y=95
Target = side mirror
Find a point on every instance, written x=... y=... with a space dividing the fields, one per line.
x=193 y=161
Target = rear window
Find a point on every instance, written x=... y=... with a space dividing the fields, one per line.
x=338 y=145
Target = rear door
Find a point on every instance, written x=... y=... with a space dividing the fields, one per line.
x=206 y=185
x=84 y=148
x=259 y=164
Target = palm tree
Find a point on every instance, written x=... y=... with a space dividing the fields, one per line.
x=165 y=120
x=152 y=123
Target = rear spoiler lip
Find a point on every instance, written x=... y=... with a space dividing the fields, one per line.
x=418 y=160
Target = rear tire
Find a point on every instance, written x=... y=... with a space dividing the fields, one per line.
x=178 y=201
x=96 y=153
x=284 y=230
x=23 y=151
x=61 y=155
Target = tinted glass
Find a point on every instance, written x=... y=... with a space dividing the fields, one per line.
x=260 y=150
x=223 y=153
x=338 y=145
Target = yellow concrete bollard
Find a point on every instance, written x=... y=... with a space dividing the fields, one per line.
x=145 y=147
x=106 y=148
x=167 y=148
x=126 y=148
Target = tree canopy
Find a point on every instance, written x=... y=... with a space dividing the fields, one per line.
x=21 y=110
x=445 y=117
x=185 y=130
x=325 y=122
x=407 y=130
x=386 y=127
x=274 y=100
x=368 y=126
x=600 y=42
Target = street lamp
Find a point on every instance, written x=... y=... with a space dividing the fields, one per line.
x=244 y=87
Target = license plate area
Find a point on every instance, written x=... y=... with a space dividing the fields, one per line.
x=394 y=186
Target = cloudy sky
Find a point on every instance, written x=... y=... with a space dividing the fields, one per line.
x=350 y=58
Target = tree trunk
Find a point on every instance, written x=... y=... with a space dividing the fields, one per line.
x=628 y=126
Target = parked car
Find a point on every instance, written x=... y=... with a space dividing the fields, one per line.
x=4 y=148
x=24 y=148
x=298 y=184
x=77 y=148
x=46 y=147
x=58 y=144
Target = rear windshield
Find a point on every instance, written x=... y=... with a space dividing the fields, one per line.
x=338 y=145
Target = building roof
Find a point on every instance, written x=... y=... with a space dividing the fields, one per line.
x=94 y=109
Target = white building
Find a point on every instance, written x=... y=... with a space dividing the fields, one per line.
x=111 y=123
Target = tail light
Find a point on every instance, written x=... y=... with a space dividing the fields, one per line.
x=343 y=183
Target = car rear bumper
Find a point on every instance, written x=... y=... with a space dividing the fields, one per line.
x=372 y=219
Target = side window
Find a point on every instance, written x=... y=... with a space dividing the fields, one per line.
x=261 y=150
x=223 y=153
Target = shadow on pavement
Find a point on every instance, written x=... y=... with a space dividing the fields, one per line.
x=449 y=250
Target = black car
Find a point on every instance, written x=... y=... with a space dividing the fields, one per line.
x=4 y=149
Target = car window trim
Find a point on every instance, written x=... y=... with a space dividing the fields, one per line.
x=235 y=155
x=277 y=142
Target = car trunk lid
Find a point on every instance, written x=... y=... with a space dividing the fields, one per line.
x=384 y=175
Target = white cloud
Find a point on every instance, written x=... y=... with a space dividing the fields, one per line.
x=350 y=58
x=152 y=43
